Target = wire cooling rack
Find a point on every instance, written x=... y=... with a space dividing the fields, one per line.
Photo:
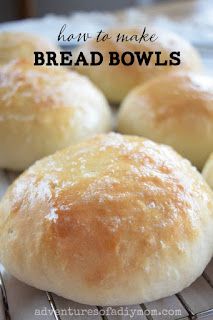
x=147 y=311
x=195 y=302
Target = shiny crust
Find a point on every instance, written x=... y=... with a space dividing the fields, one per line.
x=45 y=109
x=117 y=81
x=175 y=109
x=16 y=45
x=113 y=220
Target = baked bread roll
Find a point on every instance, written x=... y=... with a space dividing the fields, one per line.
x=208 y=171
x=113 y=220
x=45 y=109
x=117 y=81
x=15 y=45
x=175 y=109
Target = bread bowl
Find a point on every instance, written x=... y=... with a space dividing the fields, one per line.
x=116 y=81
x=21 y=45
x=43 y=109
x=175 y=109
x=113 y=220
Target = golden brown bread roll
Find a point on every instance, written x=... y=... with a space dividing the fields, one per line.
x=175 y=109
x=16 y=45
x=45 y=109
x=117 y=81
x=208 y=171
x=113 y=220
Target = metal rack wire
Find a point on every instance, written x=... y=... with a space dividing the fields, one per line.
x=4 y=298
x=207 y=314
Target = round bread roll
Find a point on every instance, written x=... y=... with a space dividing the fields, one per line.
x=45 y=109
x=111 y=221
x=15 y=45
x=117 y=81
x=208 y=171
x=175 y=109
